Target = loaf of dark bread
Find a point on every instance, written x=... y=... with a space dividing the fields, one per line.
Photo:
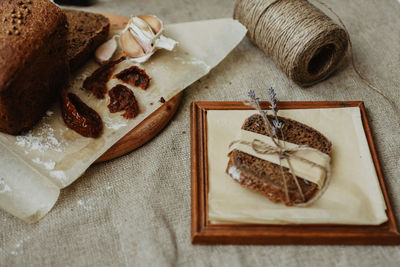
x=33 y=66
x=265 y=177
x=86 y=31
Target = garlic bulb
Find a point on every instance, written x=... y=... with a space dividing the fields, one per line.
x=139 y=40
x=146 y=31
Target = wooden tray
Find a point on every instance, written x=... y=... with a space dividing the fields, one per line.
x=145 y=131
x=149 y=127
x=203 y=232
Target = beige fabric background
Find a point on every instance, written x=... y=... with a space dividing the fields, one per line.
x=135 y=210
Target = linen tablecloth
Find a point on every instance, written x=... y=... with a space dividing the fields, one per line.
x=135 y=210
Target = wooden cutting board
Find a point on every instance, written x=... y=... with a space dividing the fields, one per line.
x=150 y=126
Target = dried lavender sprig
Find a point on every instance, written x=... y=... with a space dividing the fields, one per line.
x=252 y=94
x=277 y=124
x=272 y=129
x=253 y=97
x=255 y=102
x=273 y=100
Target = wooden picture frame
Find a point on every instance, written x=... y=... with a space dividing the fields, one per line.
x=202 y=232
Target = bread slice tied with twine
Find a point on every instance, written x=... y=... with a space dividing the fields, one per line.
x=287 y=162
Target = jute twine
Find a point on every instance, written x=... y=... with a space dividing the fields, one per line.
x=287 y=154
x=304 y=42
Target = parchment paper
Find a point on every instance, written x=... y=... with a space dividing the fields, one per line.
x=352 y=197
x=36 y=165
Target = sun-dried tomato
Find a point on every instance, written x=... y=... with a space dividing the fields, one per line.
x=123 y=99
x=135 y=76
x=80 y=117
x=97 y=82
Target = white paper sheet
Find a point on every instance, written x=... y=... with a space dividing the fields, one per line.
x=35 y=166
x=352 y=197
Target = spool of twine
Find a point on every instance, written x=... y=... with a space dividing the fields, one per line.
x=304 y=42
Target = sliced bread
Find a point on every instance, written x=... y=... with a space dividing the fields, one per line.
x=86 y=31
x=266 y=177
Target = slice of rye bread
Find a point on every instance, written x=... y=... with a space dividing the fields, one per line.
x=265 y=177
x=86 y=31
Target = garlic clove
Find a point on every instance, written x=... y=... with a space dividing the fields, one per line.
x=105 y=51
x=141 y=37
x=141 y=25
x=154 y=22
x=130 y=46
x=142 y=32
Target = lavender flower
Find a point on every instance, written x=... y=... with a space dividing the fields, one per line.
x=273 y=100
x=277 y=124
x=255 y=102
x=252 y=94
x=253 y=97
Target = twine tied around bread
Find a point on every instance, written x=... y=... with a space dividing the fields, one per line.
x=279 y=148
x=305 y=43
x=283 y=153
